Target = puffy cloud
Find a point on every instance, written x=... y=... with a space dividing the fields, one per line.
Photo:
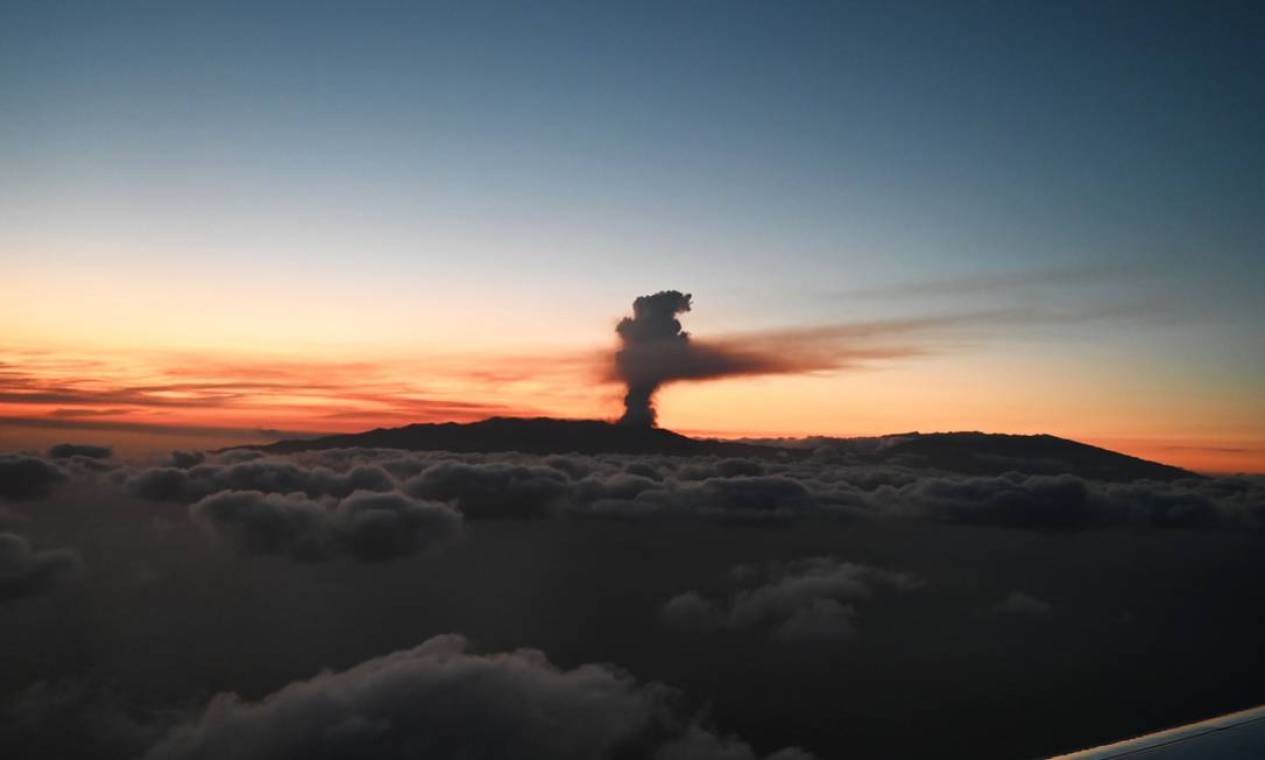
x=1173 y=599
x=494 y=490
x=533 y=486
x=774 y=497
x=1024 y=605
x=186 y=459
x=25 y=571
x=367 y=526
x=731 y=468
x=802 y=601
x=822 y=621
x=617 y=486
x=67 y=450
x=1186 y=504
x=750 y=494
x=644 y=469
x=1050 y=502
x=574 y=467
x=693 y=613
x=233 y=456
x=439 y=700
x=269 y=476
x=28 y=477
x=1067 y=502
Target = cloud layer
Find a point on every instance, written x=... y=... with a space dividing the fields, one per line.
x=487 y=486
x=439 y=700
x=367 y=526
x=811 y=601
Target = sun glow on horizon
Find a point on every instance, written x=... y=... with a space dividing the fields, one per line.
x=215 y=399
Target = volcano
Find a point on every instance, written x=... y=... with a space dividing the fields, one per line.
x=969 y=453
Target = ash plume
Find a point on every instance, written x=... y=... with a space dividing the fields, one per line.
x=651 y=334
x=655 y=350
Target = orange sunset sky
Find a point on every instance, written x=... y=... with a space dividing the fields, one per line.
x=149 y=396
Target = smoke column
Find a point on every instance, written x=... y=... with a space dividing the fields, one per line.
x=652 y=331
x=654 y=350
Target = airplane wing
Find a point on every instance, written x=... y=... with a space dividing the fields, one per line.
x=1236 y=736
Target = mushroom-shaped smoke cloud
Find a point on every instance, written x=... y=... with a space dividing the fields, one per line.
x=652 y=339
x=654 y=350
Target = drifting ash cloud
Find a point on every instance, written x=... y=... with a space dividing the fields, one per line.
x=654 y=349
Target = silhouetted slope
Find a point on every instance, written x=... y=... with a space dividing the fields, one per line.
x=539 y=435
x=995 y=453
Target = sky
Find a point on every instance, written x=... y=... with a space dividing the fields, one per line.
x=229 y=222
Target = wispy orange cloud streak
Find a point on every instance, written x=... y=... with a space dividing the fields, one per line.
x=250 y=397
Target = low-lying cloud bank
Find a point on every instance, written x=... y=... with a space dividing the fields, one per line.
x=802 y=602
x=956 y=603
x=440 y=700
x=374 y=504
x=366 y=526
x=271 y=476
x=511 y=485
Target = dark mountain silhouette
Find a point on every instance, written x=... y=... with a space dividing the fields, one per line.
x=532 y=435
x=995 y=453
x=967 y=453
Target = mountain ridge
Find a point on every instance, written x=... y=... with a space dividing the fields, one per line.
x=970 y=453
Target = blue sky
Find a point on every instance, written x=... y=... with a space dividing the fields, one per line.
x=791 y=163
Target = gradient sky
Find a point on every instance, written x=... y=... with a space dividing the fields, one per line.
x=226 y=221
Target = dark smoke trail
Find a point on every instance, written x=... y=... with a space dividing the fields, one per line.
x=654 y=350
x=652 y=332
